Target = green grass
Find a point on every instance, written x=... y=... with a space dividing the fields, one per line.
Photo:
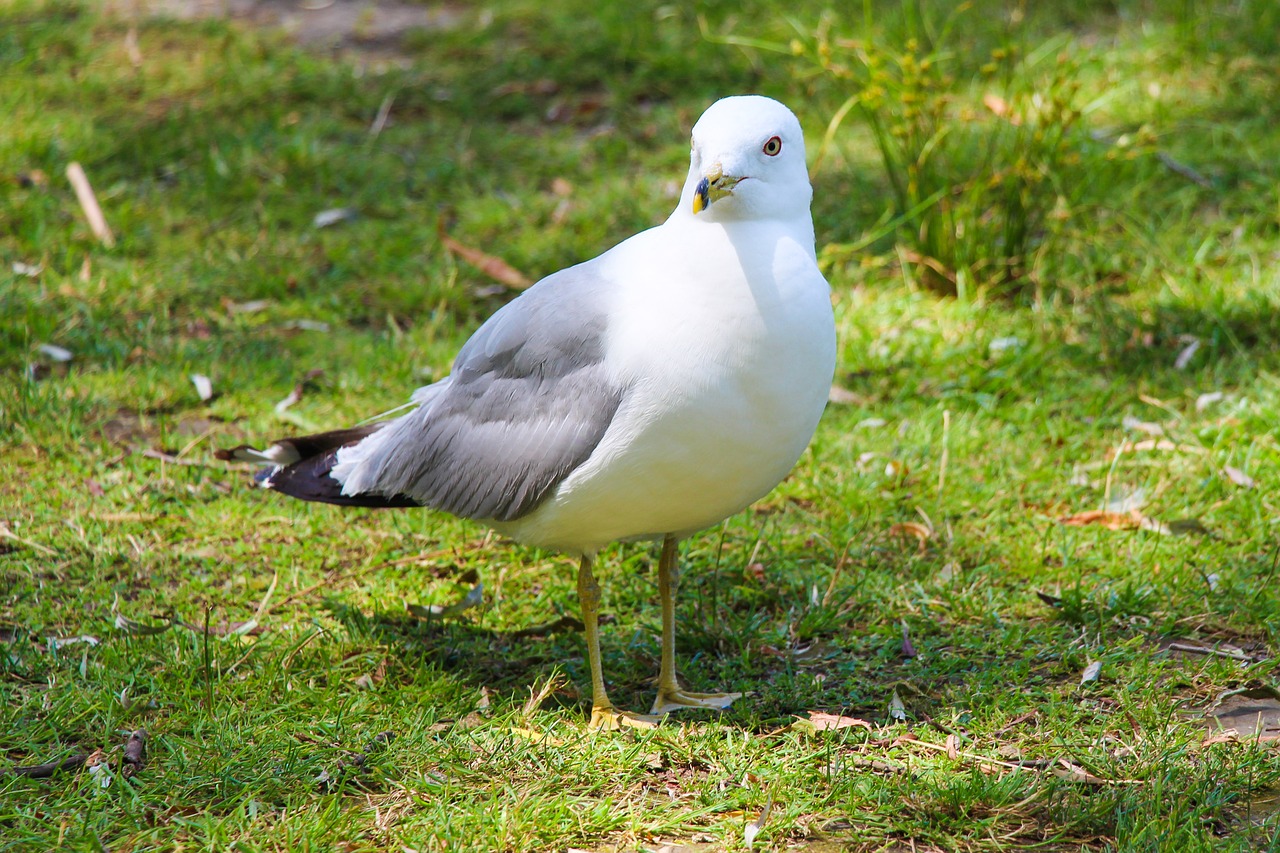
x=985 y=421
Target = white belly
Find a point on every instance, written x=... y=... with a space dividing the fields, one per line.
x=725 y=388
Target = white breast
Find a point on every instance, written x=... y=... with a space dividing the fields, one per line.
x=727 y=374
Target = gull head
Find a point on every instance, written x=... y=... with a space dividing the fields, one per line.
x=747 y=162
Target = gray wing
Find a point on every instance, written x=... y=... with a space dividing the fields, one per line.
x=527 y=402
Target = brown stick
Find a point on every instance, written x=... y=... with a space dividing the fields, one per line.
x=89 y=204
x=44 y=771
x=135 y=753
x=1204 y=650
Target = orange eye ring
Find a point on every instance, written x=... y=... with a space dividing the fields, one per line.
x=773 y=147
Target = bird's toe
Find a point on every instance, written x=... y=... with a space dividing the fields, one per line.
x=611 y=719
x=679 y=700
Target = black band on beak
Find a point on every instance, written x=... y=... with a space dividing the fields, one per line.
x=702 y=196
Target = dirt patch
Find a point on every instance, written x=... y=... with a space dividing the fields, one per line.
x=1252 y=714
x=361 y=27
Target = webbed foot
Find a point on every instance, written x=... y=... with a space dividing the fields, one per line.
x=611 y=719
x=678 y=700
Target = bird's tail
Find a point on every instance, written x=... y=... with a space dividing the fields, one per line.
x=300 y=467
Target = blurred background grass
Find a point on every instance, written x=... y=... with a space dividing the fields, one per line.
x=1053 y=236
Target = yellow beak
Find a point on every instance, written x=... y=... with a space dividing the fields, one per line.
x=714 y=186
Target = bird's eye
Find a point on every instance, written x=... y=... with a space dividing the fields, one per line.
x=773 y=146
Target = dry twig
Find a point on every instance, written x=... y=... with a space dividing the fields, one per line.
x=89 y=204
x=49 y=768
x=135 y=752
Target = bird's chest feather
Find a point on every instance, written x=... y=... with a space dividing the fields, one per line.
x=727 y=362
x=743 y=323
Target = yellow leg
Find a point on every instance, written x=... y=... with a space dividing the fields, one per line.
x=603 y=714
x=670 y=696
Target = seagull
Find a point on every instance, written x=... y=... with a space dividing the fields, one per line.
x=646 y=394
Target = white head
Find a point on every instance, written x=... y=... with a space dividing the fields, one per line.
x=747 y=162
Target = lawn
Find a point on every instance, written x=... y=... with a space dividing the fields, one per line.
x=1022 y=592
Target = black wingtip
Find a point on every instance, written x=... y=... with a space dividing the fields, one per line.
x=308 y=478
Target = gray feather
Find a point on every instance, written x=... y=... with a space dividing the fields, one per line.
x=527 y=403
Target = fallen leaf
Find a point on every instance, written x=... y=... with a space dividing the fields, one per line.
x=803 y=653
x=1239 y=477
x=1075 y=773
x=912 y=529
x=1207 y=399
x=536 y=736
x=908 y=650
x=1162 y=444
x=472 y=598
x=1154 y=525
x=842 y=396
x=496 y=268
x=1117 y=520
x=824 y=722
x=870 y=423
x=253 y=306
x=1109 y=520
x=1186 y=354
x=325 y=218
x=752 y=829
x=204 y=386
x=305 y=325
x=59 y=642
x=1127 y=501
x=298 y=390
x=1137 y=424
x=1000 y=107
x=896 y=469
x=139 y=629
x=1225 y=736
x=897 y=710
x=1091 y=672
x=99 y=768
x=55 y=352
x=29 y=270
